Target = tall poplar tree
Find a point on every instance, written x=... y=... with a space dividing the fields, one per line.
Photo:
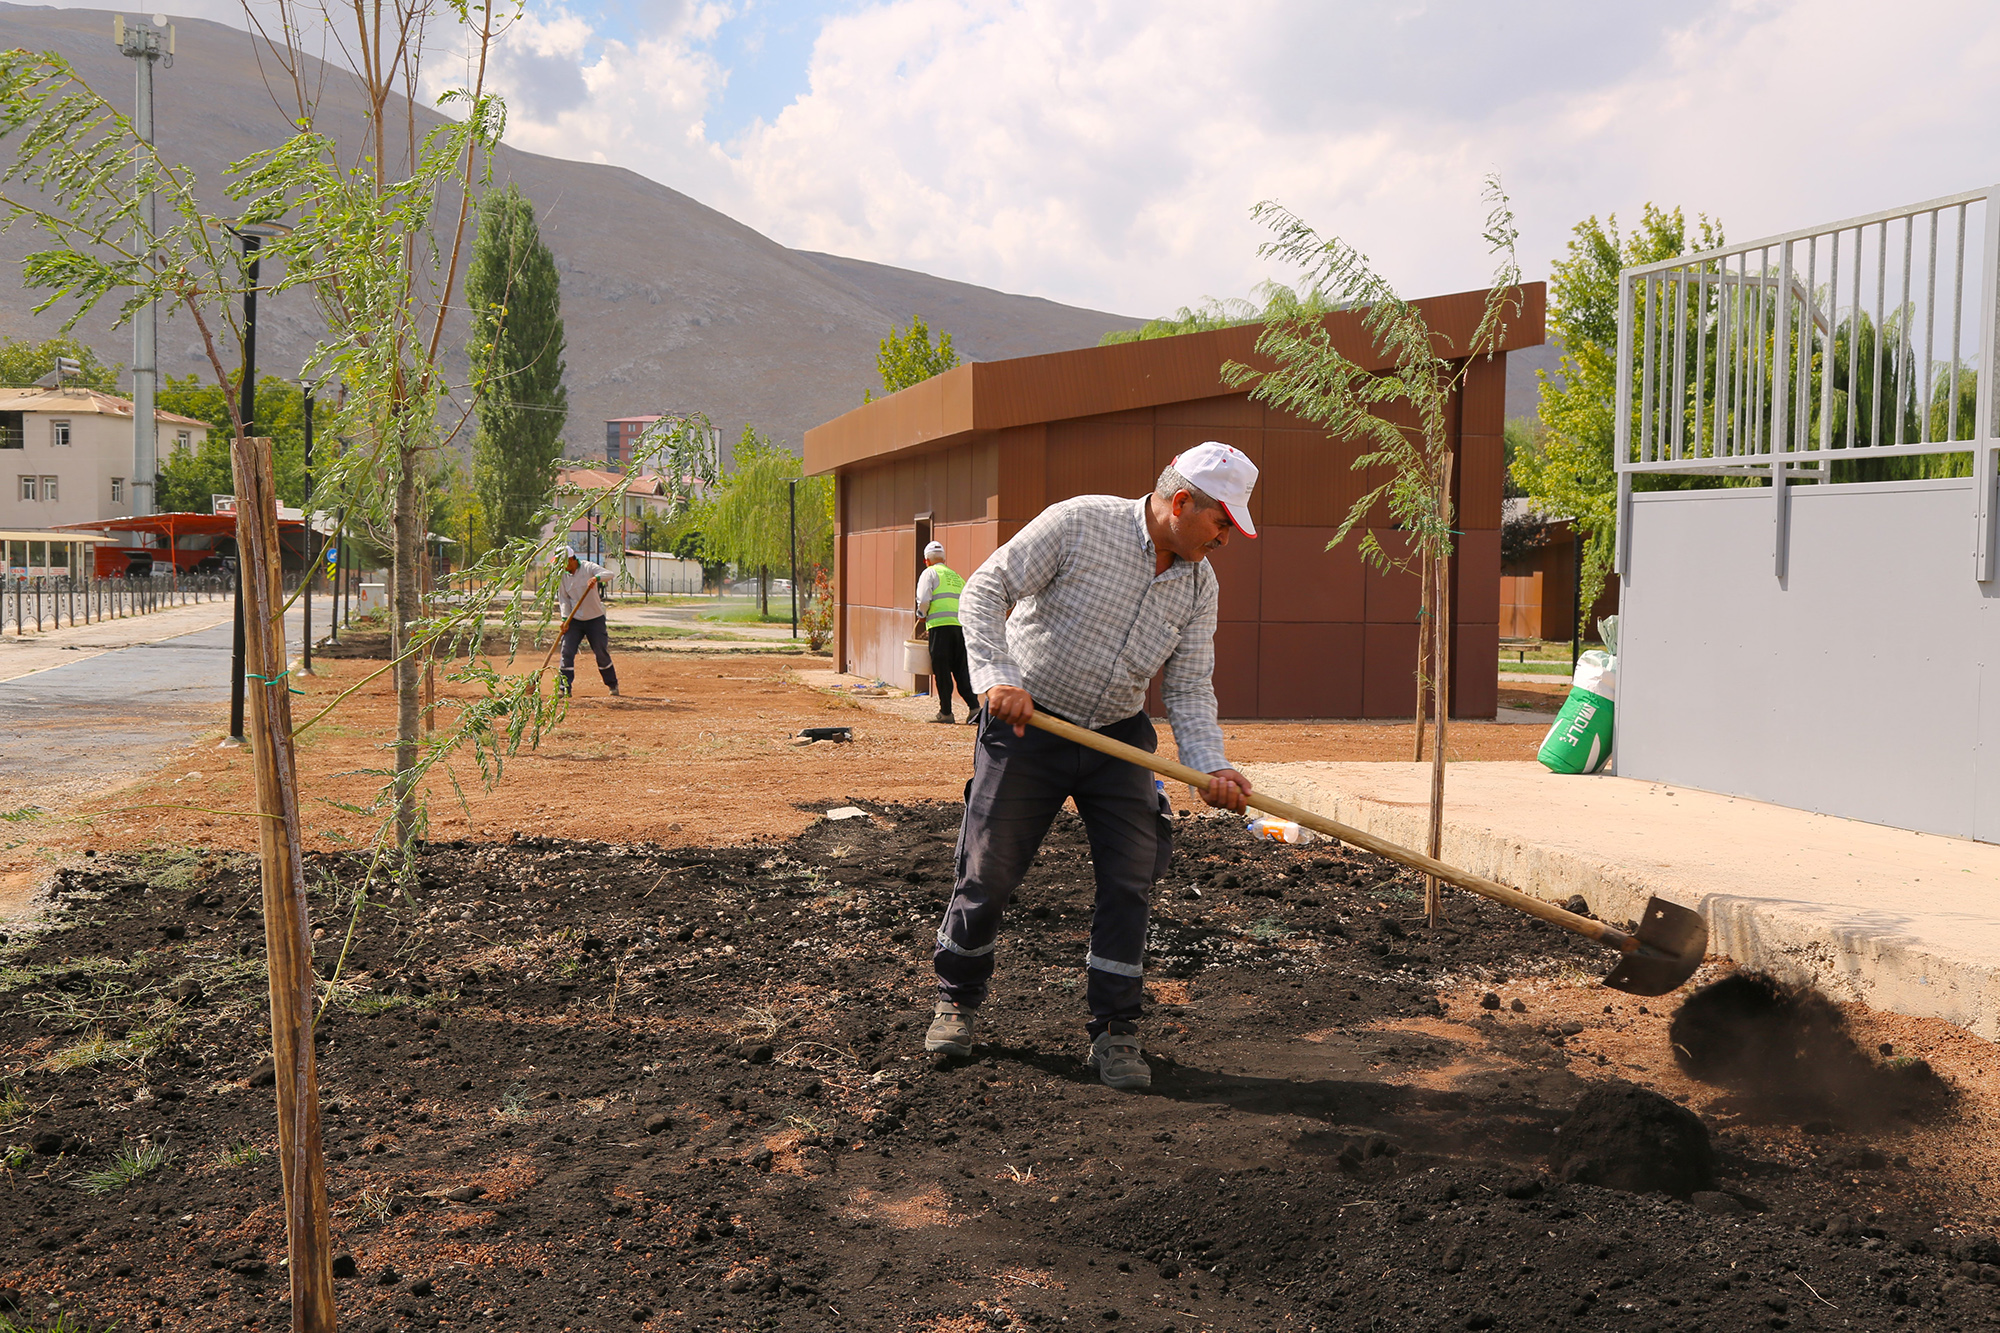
x=517 y=364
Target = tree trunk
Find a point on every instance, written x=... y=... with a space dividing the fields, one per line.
x=1440 y=703
x=1424 y=618
x=405 y=607
x=763 y=590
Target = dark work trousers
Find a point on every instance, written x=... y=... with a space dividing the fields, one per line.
x=948 y=664
x=1018 y=784
x=600 y=646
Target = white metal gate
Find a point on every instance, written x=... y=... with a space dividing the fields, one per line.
x=1818 y=624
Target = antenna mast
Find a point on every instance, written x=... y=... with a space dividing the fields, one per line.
x=144 y=43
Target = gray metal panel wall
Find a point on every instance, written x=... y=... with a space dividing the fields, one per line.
x=1864 y=684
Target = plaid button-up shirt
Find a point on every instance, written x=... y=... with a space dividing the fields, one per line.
x=1092 y=623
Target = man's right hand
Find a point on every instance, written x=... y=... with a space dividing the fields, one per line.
x=1011 y=704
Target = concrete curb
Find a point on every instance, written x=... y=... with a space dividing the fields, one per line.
x=1906 y=922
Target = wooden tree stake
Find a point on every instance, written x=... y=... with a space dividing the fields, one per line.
x=287 y=930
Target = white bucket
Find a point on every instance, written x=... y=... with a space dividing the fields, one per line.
x=917 y=657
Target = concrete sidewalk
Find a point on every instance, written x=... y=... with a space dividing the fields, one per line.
x=1907 y=922
x=25 y=654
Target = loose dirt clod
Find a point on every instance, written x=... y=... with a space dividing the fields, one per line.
x=1789 y=1048
x=1625 y=1137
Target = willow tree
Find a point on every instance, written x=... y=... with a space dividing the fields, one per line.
x=1399 y=418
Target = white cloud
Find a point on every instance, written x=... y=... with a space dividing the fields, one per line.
x=1107 y=152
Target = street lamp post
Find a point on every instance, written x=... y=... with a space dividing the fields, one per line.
x=312 y=555
x=252 y=236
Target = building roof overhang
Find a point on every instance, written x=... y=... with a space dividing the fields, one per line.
x=983 y=397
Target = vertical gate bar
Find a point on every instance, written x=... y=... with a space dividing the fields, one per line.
x=1930 y=330
x=1701 y=384
x=1903 y=385
x=1983 y=429
x=1678 y=438
x=1854 y=346
x=1957 y=315
x=1832 y=348
x=1646 y=307
x=1781 y=403
x=1881 y=288
x=1621 y=424
x=1760 y=435
x=1807 y=327
x=1725 y=356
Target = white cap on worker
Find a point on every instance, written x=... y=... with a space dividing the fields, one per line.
x=935 y=551
x=1227 y=475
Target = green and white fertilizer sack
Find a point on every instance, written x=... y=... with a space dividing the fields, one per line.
x=1580 y=740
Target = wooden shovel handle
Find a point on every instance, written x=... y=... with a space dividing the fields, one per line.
x=1485 y=888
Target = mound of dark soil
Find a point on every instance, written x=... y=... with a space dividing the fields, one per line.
x=1625 y=1137
x=1789 y=1048
x=573 y=1086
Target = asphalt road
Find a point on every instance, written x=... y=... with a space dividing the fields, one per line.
x=116 y=714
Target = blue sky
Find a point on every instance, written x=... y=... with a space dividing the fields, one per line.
x=1108 y=152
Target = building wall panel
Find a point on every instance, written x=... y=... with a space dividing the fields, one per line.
x=1310 y=670
x=1475 y=592
x=1239 y=575
x=1303 y=581
x=1482 y=476
x=1312 y=479
x=1234 y=411
x=1094 y=458
x=1389 y=661
x=1475 y=686
x=1392 y=596
x=1236 y=669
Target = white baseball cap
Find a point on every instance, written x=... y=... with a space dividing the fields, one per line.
x=1226 y=475
x=934 y=549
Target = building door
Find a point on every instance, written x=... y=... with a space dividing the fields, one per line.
x=924 y=538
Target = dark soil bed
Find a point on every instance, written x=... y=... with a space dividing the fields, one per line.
x=577 y=1086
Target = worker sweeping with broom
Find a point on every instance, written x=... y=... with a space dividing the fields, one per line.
x=580 y=598
x=1075 y=616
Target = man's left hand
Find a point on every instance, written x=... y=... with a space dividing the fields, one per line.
x=1226 y=790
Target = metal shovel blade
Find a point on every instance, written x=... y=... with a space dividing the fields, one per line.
x=1667 y=948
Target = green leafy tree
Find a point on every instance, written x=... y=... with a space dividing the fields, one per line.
x=907 y=357
x=516 y=349
x=189 y=477
x=1401 y=419
x=1572 y=472
x=1227 y=313
x=749 y=521
x=23 y=362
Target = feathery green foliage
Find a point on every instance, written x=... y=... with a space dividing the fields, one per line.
x=1227 y=313
x=907 y=357
x=1572 y=473
x=516 y=349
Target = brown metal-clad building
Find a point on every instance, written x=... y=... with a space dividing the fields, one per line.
x=971 y=455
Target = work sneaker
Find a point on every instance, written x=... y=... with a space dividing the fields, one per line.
x=951 y=1029
x=1115 y=1052
x=945 y=718
x=614 y=691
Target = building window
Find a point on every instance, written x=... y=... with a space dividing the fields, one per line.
x=59 y=434
x=48 y=488
x=117 y=489
x=183 y=440
x=29 y=488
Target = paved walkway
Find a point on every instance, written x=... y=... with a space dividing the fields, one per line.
x=1908 y=922
x=24 y=654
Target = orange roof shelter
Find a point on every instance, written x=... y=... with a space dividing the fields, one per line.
x=969 y=456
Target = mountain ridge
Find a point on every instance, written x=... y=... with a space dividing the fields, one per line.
x=668 y=303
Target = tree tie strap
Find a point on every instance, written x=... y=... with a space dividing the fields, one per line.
x=272 y=680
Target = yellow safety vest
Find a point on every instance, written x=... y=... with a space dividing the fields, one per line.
x=944 y=605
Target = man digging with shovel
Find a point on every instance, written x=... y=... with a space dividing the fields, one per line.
x=1104 y=593
x=578 y=598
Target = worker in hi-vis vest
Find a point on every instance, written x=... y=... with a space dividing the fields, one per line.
x=937 y=611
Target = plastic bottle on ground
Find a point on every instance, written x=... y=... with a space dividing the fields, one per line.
x=1278 y=830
